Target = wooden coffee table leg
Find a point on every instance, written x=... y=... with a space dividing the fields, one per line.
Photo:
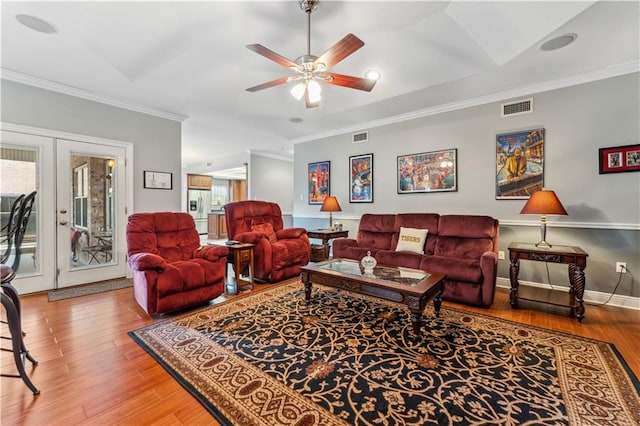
x=416 y=321
x=437 y=303
x=307 y=291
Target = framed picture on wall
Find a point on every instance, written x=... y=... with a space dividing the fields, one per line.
x=519 y=163
x=619 y=159
x=158 y=180
x=434 y=171
x=319 y=181
x=361 y=178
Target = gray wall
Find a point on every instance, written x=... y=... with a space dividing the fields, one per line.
x=604 y=210
x=157 y=141
x=271 y=179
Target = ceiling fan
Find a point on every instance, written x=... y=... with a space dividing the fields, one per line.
x=310 y=70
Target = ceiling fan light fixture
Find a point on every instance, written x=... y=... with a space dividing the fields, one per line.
x=372 y=75
x=298 y=90
x=314 y=91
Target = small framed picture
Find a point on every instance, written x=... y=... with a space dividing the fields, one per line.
x=361 y=178
x=434 y=171
x=619 y=159
x=158 y=180
x=319 y=181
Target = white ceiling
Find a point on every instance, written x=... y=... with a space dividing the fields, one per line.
x=188 y=60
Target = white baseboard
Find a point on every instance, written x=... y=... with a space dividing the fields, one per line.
x=595 y=297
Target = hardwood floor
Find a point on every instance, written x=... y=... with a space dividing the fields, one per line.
x=91 y=372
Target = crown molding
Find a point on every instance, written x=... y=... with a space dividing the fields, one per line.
x=18 y=77
x=272 y=156
x=532 y=89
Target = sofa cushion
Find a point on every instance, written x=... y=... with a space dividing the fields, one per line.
x=376 y=231
x=412 y=239
x=462 y=248
x=398 y=258
x=457 y=269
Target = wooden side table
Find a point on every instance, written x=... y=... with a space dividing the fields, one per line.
x=325 y=235
x=241 y=256
x=574 y=257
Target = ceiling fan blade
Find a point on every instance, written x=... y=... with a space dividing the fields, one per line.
x=277 y=82
x=270 y=54
x=340 y=50
x=349 y=81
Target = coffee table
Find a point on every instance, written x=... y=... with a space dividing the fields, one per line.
x=412 y=287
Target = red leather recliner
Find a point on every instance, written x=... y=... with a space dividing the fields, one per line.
x=171 y=271
x=258 y=222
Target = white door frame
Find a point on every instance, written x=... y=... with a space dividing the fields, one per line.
x=48 y=214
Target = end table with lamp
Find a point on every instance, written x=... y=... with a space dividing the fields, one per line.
x=545 y=202
x=321 y=252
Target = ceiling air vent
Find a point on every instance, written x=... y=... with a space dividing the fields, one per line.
x=522 y=106
x=360 y=137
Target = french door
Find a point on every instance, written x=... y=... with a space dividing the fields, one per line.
x=90 y=211
x=76 y=233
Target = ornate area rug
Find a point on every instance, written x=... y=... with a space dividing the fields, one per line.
x=271 y=359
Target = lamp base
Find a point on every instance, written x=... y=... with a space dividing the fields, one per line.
x=543 y=244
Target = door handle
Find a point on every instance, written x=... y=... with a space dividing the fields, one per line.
x=63 y=211
x=64 y=222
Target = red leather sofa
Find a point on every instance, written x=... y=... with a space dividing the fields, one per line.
x=462 y=246
x=279 y=252
x=171 y=271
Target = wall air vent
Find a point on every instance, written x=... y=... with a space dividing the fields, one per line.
x=360 y=137
x=522 y=106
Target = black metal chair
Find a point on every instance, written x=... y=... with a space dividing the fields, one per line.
x=19 y=228
x=10 y=297
x=8 y=231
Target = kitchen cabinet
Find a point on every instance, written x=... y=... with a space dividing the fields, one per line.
x=199 y=182
x=217 y=226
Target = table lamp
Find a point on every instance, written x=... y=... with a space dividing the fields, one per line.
x=544 y=202
x=330 y=204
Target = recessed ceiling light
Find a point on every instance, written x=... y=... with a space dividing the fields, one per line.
x=295 y=120
x=372 y=75
x=36 y=24
x=558 y=42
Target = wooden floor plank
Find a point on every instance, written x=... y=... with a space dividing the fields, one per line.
x=91 y=372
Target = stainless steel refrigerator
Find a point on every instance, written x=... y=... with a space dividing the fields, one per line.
x=199 y=204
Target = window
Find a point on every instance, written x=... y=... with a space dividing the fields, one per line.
x=80 y=196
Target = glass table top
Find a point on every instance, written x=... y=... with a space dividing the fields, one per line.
x=405 y=276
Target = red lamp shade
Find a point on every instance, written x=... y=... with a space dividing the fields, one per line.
x=544 y=202
x=330 y=204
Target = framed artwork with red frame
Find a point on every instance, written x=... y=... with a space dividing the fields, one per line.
x=619 y=159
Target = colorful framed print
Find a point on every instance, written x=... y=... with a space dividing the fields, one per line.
x=519 y=163
x=361 y=178
x=434 y=171
x=158 y=180
x=619 y=159
x=319 y=181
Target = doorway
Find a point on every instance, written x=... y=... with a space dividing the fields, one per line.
x=76 y=232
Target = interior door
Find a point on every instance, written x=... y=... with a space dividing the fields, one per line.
x=26 y=165
x=90 y=212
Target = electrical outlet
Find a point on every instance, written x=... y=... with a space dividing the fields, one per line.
x=621 y=267
x=501 y=255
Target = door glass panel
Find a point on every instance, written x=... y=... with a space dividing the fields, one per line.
x=92 y=219
x=19 y=175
